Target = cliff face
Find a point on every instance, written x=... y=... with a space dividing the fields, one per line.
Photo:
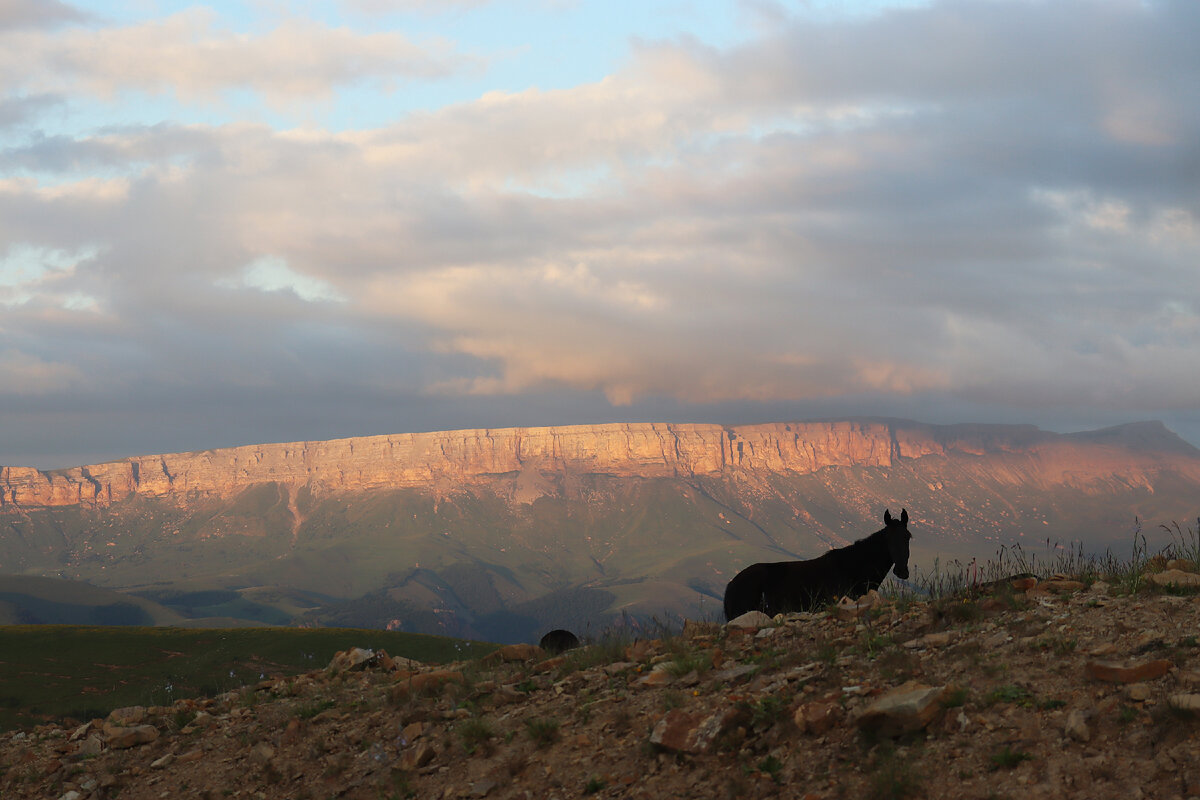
x=469 y=457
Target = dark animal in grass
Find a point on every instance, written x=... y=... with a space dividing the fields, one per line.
x=783 y=586
x=557 y=641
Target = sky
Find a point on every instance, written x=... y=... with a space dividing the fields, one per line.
x=232 y=223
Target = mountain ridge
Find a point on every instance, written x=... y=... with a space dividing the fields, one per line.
x=446 y=459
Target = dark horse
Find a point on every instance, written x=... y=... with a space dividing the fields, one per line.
x=853 y=570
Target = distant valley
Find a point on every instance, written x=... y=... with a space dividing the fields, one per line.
x=502 y=534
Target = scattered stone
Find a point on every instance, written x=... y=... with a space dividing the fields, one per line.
x=940 y=639
x=905 y=709
x=165 y=761
x=417 y=756
x=354 y=658
x=518 y=652
x=751 y=619
x=766 y=633
x=130 y=715
x=1077 y=728
x=118 y=738
x=817 y=717
x=1184 y=702
x=734 y=673
x=1062 y=586
x=1112 y=672
x=682 y=732
x=659 y=676
x=617 y=667
x=1138 y=692
x=435 y=679
x=1175 y=577
x=1099 y=587
x=853 y=609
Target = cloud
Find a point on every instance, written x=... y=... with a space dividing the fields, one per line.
x=38 y=14
x=25 y=374
x=815 y=216
x=192 y=56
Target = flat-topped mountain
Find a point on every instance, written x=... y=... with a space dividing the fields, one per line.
x=454 y=459
x=500 y=533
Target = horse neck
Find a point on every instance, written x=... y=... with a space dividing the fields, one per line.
x=873 y=551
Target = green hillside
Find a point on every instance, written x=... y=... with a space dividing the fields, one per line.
x=55 y=671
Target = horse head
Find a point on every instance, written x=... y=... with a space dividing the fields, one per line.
x=897 y=541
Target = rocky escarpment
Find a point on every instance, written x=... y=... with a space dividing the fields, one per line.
x=462 y=458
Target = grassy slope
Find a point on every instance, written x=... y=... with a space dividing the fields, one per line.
x=51 y=671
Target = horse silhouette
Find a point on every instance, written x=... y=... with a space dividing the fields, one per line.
x=559 y=640
x=782 y=586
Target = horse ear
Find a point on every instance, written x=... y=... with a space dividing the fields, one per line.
x=887 y=517
x=904 y=516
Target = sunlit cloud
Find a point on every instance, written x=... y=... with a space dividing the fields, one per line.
x=192 y=55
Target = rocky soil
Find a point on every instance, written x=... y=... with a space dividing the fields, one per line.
x=1053 y=690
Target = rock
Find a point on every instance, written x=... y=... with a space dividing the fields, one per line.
x=766 y=633
x=730 y=674
x=1024 y=584
x=517 y=652
x=1185 y=702
x=93 y=745
x=417 y=756
x=617 y=667
x=683 y=732
x=262 y=753
x=853 y=609
x=433 y=680
x=940 y=639
x=354 y=658
x=1077 y=728
x=162 y=763
x=130 y=715
x=1175 y=577
x=190 y=756
x=1062 y=586
x=121 y=738
x=1100 y=588
x=1116 y=673
x=905 y=709
x=817 y=717
x=550 y=664
x=1138 y=692
x=659 y=676
x=751 y=619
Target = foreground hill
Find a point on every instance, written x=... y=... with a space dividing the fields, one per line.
x=1062 y=690
x=503 y=534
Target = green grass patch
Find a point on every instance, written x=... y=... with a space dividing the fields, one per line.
x=56 y=672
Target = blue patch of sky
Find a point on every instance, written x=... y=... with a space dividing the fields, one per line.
x=521 y=45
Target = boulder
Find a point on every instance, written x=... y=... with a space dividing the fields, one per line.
x=1175 y=577
x=122 y=738
x=1112 y=672
x=817 y=717
x=682 y=732
x=751 y=619
x=905 y=709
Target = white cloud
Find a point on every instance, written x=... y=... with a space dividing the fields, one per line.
x=190 y=54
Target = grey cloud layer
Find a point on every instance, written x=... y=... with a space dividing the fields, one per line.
x=981 y=203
